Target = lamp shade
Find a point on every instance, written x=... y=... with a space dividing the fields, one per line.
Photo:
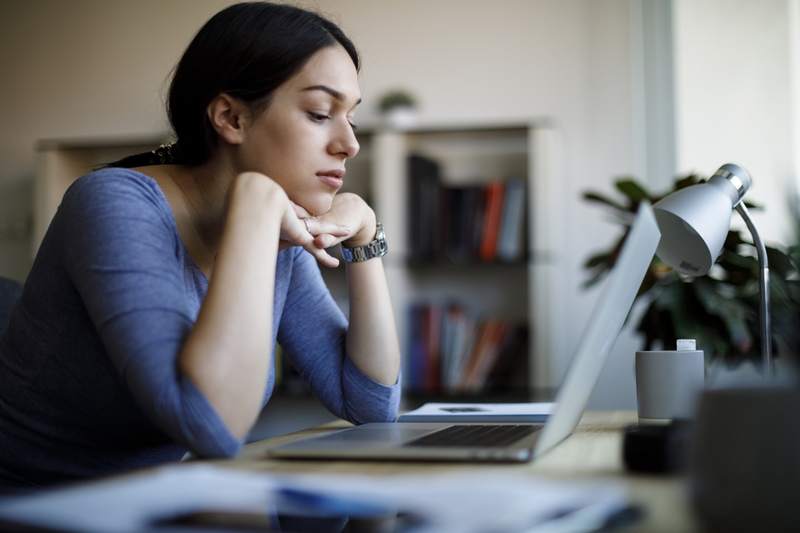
x=694 y=221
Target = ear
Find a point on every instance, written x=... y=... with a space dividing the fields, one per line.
x=229 y=117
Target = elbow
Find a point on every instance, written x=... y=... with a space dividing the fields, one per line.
x=216 y=450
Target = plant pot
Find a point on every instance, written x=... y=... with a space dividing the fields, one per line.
x=745 y=459
x=400 y=117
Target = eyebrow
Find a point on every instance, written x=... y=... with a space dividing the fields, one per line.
x=333 y=92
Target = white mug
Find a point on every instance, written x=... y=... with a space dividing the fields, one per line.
x=667 y=383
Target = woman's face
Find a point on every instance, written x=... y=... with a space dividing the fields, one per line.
x=304 y=137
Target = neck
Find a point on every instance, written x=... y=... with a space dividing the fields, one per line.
x=205 y=190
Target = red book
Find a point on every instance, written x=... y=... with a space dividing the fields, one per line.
x=491 y=220
x=433 y=351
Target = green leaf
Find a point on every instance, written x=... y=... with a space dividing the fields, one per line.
x=721 y=311
x=599 y=198
x=632 y=190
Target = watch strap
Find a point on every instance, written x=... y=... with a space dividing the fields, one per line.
x=376 y=248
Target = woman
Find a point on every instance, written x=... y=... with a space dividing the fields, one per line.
x=148 y=322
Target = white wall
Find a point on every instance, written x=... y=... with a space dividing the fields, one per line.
x=734 y=98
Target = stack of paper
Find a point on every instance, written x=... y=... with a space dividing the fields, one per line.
x=481 y=501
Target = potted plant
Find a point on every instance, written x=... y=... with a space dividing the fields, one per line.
x=720 y=310
x=398 y=108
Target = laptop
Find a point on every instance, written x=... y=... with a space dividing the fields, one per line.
x=506 y=442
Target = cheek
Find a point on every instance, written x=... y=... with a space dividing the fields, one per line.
x=279 y=152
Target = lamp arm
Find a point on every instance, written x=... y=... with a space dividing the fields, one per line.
x=763 y=286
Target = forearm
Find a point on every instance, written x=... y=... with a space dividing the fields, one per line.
x=372 y=342
x=225 y=354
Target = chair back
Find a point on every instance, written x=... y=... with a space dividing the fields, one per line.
x=10 y=292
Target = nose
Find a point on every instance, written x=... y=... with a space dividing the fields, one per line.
x=345 y=142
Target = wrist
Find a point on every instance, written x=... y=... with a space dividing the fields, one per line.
x=366 y=234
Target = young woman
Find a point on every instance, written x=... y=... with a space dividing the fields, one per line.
x=148 y=323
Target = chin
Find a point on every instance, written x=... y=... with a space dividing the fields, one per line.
x=316 y=206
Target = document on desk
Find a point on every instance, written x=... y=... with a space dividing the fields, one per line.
x=203 y=495
x=479 y=412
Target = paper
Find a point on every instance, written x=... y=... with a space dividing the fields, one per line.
x=479 y=412
x=481 y=501
x=468 y=502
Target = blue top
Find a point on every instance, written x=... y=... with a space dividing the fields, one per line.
x=89 y=383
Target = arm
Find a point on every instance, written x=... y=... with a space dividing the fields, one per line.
x=362 y=385
x=372 y=341
x=200 y=382
x=224 y=355
x=313 y=334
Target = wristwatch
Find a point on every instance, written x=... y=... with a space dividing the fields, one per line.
x=376 y=248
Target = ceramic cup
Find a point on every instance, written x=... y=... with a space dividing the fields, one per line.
x=667 y=383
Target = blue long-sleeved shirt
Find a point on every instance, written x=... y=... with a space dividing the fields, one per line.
x=89 y=382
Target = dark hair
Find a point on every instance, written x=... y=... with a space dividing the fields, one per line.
x=246 y=50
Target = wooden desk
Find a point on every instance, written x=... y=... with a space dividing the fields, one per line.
x=594 y=451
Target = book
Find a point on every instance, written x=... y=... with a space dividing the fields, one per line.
x=491 y=220
x=432 y=347
x=423 y=206
x=510 y=242
x=479 y=412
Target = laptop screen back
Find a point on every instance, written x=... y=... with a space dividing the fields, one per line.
x=604 y=326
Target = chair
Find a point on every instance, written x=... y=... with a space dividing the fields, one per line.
x=10 y=292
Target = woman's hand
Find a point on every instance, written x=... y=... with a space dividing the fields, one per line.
x=293 y=230
x=350 y=214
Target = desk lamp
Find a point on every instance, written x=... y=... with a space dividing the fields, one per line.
x=694 y=223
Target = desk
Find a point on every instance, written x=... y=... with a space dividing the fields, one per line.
x=593 y=451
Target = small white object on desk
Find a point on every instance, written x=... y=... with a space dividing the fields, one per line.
x=480 y=412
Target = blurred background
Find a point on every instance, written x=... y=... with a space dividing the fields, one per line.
x=553 y=98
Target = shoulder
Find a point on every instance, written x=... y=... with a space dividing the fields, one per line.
x=115 y=194
x=115 y=185
x=115 y=203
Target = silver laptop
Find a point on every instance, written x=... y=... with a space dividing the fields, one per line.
x=421 y=441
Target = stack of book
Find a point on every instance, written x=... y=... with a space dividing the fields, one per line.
x=452 y=351
x=470 y=223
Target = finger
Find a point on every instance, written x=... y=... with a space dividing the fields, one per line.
x=322 y=256
x=327 y=240
x=294 y=231
x=318 y=227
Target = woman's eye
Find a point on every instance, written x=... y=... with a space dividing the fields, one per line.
x=320 y=117
x=317 y=117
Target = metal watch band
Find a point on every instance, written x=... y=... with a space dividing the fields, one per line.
x=376 y=248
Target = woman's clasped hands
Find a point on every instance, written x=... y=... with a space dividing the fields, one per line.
x=349 y=220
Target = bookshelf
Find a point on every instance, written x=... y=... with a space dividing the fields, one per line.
x=469 y=155
x=510 y=291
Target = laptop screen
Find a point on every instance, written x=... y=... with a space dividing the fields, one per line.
x=607 y=319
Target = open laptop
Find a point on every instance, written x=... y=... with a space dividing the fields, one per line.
x=421 y=441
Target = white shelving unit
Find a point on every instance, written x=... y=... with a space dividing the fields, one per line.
x=467 y=153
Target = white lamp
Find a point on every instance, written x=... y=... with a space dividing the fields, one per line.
x=694 y=223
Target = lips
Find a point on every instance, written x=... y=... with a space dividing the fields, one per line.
x=333 y=178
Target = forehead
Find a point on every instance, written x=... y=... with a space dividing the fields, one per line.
x=332 y=67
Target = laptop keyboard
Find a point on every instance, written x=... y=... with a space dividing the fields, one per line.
x=474 y=435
